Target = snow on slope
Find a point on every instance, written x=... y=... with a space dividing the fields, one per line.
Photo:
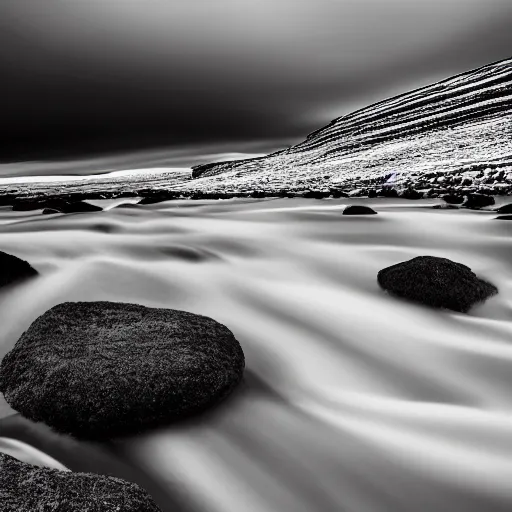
x=460 y=127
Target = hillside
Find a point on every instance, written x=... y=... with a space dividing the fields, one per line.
x=454 y=133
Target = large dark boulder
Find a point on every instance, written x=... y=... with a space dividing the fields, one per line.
x=99 y=370
x=506 y=208
x=356 y=209
x=436 y=282
x=14 y=269
x=478 y=201
x=28 y=488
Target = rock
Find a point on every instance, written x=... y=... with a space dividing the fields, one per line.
x=50 y=211
x=478 y=201
x=506 y=208
x=504 y=217
x=436 y=282
x=14 y=269
x=356 y=209
x=99 y=370
x=28 y=488
x=81 y=207
x=316 y=194
x=453 y=198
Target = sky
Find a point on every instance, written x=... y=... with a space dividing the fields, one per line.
x=81 y=78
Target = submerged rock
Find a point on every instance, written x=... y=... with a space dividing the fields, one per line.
x=356 y=209
x=28 y=488
x=14 y=269
x=99 y=370
x=478 y=201
x=436 y=282
x=504 y=217
x=50 y=211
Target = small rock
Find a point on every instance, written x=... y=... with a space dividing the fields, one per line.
x=50 y=211
x=504 y=217
x=81 y=207
x=14 y=269
x=356 y=209
x=453 y=198
x=27 y=488
x=506 y=208
x=436 y=282
x=478 y=201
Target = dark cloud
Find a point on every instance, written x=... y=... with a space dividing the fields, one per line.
x=82 y=76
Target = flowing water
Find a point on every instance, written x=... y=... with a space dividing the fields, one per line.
x=352 y=400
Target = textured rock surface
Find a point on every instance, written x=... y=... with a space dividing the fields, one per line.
x=436 y=282
x=28 y=488
x=103 y=369
x=356 y=209
x=14 y=269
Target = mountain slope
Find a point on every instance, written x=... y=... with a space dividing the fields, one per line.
x=455 y=132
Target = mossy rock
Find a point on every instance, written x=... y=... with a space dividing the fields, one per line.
x=98 y=370
x=28 y=488
x=436 y=282
x=14 y=269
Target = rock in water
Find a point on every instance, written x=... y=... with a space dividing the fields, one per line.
x=436 y=282
x=50 y=211
x=81 y=207
x=98 y=370
x=504 y=217
x=478 y=201
x=356 y=209
x=453 y=198
x=14 y=269
x=28 y=488
x=506 y=208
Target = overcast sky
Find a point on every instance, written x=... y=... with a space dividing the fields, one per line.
x=90 y=75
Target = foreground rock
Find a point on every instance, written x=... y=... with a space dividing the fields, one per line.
x=14 y=269
x=28 y=488
x=436 y=282
x=504 y=217
x=99 y=370
x=478 y=201
x=356 y=209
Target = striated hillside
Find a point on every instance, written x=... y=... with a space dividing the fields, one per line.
x=455 y=133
